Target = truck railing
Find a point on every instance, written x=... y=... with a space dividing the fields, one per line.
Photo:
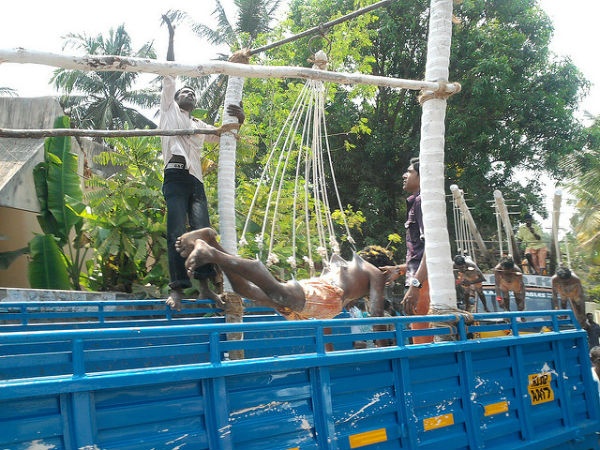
x=150 y=387
x=69 y=359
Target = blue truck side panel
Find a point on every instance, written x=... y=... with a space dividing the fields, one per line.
x=172 y=388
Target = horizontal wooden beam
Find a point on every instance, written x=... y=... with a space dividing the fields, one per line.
x=57 y=132
x=142 y=65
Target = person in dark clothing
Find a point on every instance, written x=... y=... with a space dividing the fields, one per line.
x=593 y=330
x=183 y=186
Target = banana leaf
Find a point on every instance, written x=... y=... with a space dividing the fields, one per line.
x=47 y=266
x=7 y=258
x=64 y=194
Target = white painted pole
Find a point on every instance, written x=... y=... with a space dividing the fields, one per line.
x=437 y=242
x=555 y=224
x=462 y=204
x=226 y=173
x=139 y=65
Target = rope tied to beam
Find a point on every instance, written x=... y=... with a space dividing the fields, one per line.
x=241 y=56
x=440 y=93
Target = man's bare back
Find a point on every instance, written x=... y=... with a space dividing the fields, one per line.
x=568 y=285
x=251 y=279
x=508 y=277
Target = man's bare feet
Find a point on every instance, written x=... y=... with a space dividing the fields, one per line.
x=185 y=243
x=206 y=293
x=199 y=256
x=174 y=300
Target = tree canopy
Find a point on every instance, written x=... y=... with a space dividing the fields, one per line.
x=516 y=109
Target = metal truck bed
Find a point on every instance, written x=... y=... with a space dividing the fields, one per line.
x=172 y=387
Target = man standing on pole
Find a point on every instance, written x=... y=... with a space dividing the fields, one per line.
x=183 y=186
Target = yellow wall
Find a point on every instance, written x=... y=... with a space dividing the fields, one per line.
x=18 y=226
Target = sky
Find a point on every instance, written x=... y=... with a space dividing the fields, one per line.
x=40 y=26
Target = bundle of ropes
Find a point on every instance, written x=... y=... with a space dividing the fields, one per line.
x=301 y=152
x=464 y=237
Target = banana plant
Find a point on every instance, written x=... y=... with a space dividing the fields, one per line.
x=58 y=189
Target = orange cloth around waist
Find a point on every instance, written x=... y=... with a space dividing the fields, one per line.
x=322 y=300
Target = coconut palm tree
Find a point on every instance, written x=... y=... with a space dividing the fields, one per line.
x=101 y=99
x=253 y=17
x=7 y=91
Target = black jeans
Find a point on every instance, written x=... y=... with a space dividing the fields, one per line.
x=186 y=202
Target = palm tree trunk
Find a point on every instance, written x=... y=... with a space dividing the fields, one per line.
x=437 y=244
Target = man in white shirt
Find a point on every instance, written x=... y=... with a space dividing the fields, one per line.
x=183 y=186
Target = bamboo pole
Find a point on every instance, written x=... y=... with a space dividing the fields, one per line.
x=139 y=65
x=499 y=229
x=437 y=242
x=322 y=28
x=462 y=204
x=35 y=133
x=555 y=255
x=501 y=206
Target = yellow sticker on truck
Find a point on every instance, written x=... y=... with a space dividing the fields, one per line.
x=496 y=408
x=368 y=438
x=438 y=422
x=540 y=388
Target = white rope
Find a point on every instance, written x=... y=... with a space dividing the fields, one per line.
x=322 y=249
x=281 y=179
x=299 y=99
x=335 y=187
x=328 y=218
x=309 y=108
x=290 y=134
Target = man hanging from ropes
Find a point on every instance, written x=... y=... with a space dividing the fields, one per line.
x=508 y=277
x=183 y=186
x=568 y=285
x=320 y=297
x=470 y=277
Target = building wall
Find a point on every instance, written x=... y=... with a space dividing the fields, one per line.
x=18 y=227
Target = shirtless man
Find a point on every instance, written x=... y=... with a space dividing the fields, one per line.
x=316 y=298
x=568 y=285
x=508 y=277
x=470 y=278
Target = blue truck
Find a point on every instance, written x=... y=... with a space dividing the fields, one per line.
x=90 y=375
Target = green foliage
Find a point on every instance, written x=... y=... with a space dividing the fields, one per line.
x=515 y=111
x=584 y=185
x=59 y=193
x=127 y=220
x=48 y=266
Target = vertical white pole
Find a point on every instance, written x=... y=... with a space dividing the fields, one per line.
x=226 y=174
x=437 y=243
x=555 y=225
